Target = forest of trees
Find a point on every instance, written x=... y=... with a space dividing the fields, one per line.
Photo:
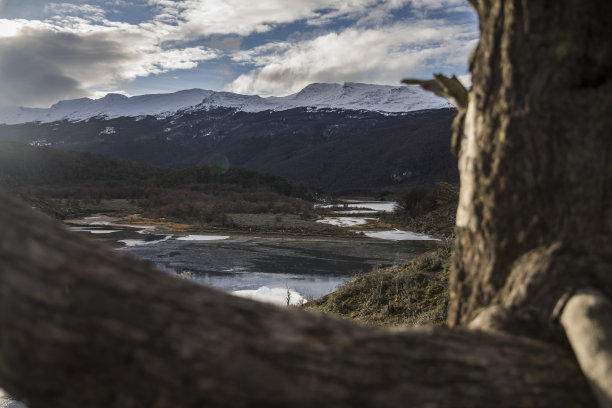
x=194 y=194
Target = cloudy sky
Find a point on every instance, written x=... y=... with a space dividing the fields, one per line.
x=53 y=51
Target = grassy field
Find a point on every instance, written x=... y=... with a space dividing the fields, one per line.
x=284 y=223
x=414 y=294
x=130 y=212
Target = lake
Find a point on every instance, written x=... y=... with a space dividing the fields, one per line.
x=265 y=267
x=261 y=265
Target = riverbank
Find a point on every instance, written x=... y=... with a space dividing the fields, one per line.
x=268 y=224
x=413 y=294
x=352 y=219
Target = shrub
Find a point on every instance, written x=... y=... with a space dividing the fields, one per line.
x=416 y=201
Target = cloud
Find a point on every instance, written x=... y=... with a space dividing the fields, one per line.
x=225 y=43
x=88 y=11
x=382 y=56
x=436 y=4
x=198 y=18
x=41 y=65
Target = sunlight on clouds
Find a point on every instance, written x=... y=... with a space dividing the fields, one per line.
x=40 y=66
x=88 y=11
x=102 y=94
x=242 y=17
x=12 y=28
x=366 y=55
x=436 y=4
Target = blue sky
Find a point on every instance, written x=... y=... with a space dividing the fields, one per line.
x=86 y=48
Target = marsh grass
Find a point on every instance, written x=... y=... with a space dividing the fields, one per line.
x=415 y=294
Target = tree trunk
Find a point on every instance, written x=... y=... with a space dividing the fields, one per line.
x=534 y=220
x=84 y=326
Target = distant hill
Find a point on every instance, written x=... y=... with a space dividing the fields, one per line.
x=70 y=184
x=35 y=168
x=342 y=151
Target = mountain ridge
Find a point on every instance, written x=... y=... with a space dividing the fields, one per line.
x=348 y=96
x=342 y=152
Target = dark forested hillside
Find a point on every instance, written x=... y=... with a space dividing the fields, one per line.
x=348 y=152
x=44 y=166
x=58 y=181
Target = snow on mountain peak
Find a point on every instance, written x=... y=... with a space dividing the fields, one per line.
x=356 y=96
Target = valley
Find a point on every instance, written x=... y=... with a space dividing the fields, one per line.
x=251 y=198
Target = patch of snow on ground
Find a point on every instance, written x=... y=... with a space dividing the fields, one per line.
x=92 y=231
x=398 y=235
x=361 y=207
x=202 y=237
x=138 y=242
x=277 y=296
x=382 y=206
x=349 y=212
x=345 y=221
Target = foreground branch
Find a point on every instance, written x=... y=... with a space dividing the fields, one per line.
x=587 y=320
x=83 y=326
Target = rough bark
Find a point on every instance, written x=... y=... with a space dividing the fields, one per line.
x=83 y=326
x=534 y=218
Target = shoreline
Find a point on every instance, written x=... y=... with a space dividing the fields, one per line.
x=355 y=232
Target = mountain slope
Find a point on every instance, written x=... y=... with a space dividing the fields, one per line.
x=340 y=151
x=351 y=96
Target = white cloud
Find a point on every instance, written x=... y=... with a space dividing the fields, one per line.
x=243 y=17
x=41 y=62
x=436 y=4
x=369 y=55
x=88 y=11
x=102 y=94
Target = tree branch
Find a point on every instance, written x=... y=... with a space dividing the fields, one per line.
x=587 y=320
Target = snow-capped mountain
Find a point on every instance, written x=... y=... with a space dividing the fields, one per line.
x=353 y=96
x=111 y=106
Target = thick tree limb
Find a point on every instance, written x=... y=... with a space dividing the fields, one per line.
x=84 y=326
x=587 y=320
